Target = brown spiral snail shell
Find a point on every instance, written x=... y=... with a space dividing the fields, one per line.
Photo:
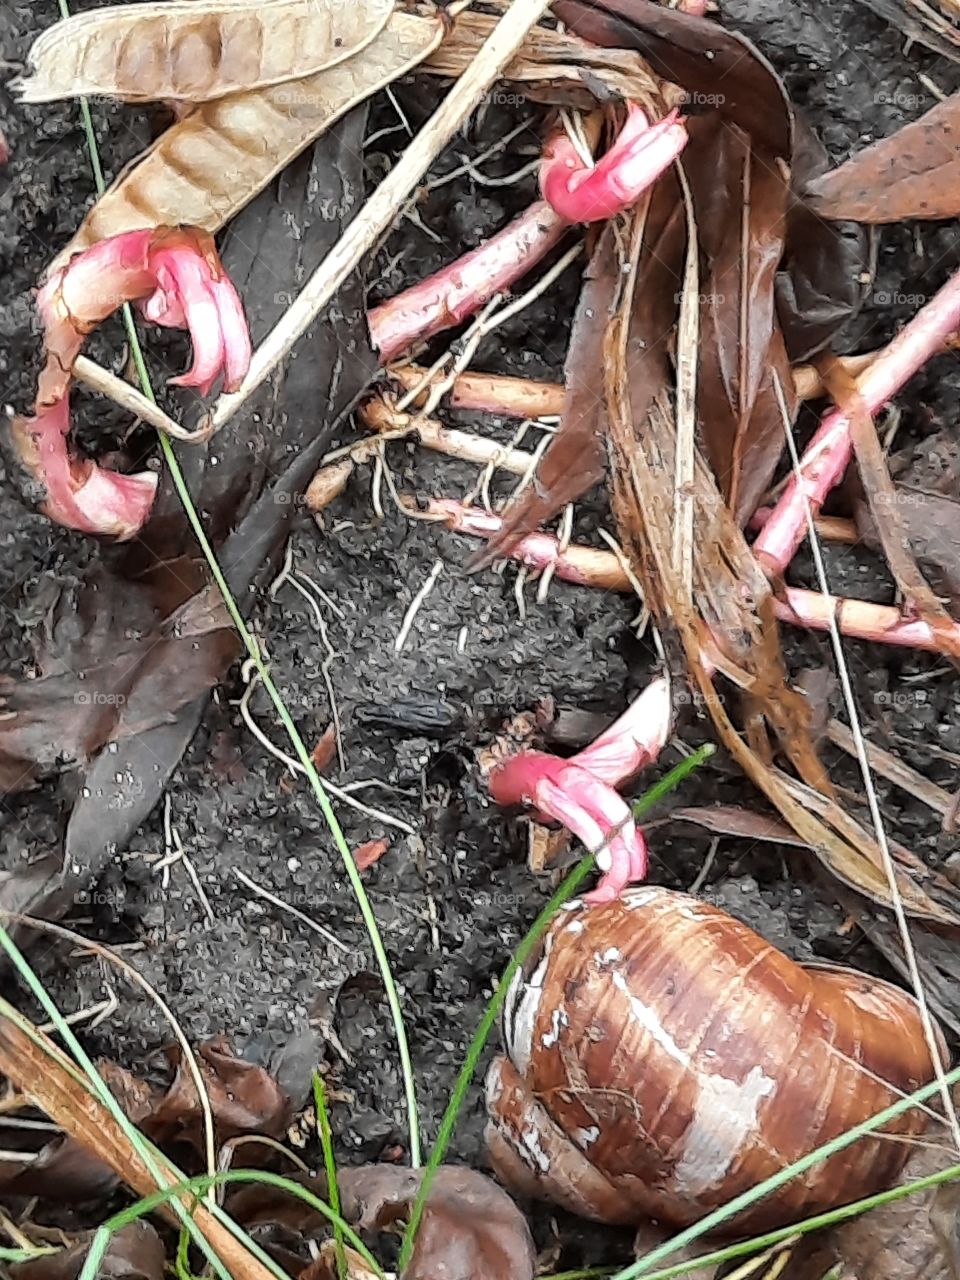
x=661 y=1058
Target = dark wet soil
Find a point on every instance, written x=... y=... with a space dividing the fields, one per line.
x=453 y=893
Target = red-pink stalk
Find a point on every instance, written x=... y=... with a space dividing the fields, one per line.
x=175 y=275
x=454 y=293
x=594 y=193
x=593 y=567
x=830 y=450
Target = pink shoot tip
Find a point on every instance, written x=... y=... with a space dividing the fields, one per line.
x=587 y=806
x=175 y=275
x=637 y=158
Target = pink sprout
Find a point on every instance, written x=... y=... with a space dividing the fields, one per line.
x=589 y=807
x=635 y=161
x=175 y=275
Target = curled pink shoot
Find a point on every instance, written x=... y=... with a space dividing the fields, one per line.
x=587 y=806
x=77 y=493
x=640 y=154
x=176 y=276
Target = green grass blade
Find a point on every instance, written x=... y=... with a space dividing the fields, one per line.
x=670 y=781
x=303 y=755
x=330 y=1165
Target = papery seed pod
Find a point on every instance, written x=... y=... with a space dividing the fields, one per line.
x=196 y=50
x=205 y=168
x=661 y=1058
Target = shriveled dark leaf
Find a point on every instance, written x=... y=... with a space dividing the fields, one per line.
x=739 y=205
x=885 y=510
x=915 y=173
x=470 y=1230
x=932 y=525
x=245 y=490
x=574 y=460
x=820 y=283
x=135 y=1252
x=718 y=66
x=244 y=1098
x=61 y=1170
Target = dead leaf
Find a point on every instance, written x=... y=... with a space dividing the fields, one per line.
x=574 y=460
x=470 y=1230
x=732 y=820
x=244 y=1098
x=885 y=511
x=50 y=1081
x=61 y=1170
x=326 y=1265
x=915 y=173
x=821 y=280
x=135 y=1252
x=721 y=67
x=913 y=1238
x=739 y=204
x=196 y=52
x=324 y=752
x=932 y=525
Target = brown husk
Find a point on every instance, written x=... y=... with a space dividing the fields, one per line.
x=915 y=173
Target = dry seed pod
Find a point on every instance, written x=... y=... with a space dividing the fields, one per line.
x=662 y=1058
x=195 y=51
x=204 y=169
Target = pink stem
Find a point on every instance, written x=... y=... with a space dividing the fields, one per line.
x=863 y=620
x=450 y=295
x=830 y=450
x=592 y=567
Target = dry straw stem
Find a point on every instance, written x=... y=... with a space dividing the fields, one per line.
x=377 y=215
x=49 y=1080
x=128 y=397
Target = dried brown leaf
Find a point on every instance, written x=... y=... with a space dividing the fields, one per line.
x=244 y=1098
x=574 y=460
x=50 y=1081
x=717 y=65
x=135 y=1252
x=732 y=820
x=913 y=1238
x=932 y=525
x=204 y=169
x=470 y=1229
x=195 y=50
x=915 y=173
x=739 y=199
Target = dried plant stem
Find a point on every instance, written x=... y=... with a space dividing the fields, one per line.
x=382 y=208
x=450 y=295
x=830 y=450
x=377 y=415
x=490 y=392
x=128 y=397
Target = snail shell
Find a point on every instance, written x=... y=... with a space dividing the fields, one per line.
x=661 y=1058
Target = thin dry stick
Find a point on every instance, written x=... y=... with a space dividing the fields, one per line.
x=379 y=212
x=873 y=803
x=128 y=397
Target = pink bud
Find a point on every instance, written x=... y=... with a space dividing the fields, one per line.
x=175 y=274
x=637 y=158
x=587 y=806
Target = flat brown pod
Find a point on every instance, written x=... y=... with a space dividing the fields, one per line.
x=194 y=51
